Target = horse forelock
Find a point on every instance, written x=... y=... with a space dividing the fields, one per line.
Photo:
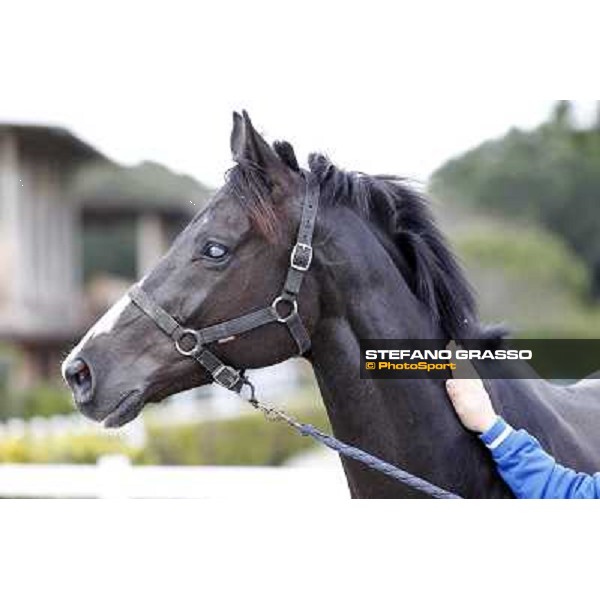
x=249 y=185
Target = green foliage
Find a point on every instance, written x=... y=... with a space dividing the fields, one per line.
x=549 y=176
x=46 y=400
x=79 y=449
x=247 y=440
x=528 y=278
x=562 y=115
x=43 y=400
x=531 y=255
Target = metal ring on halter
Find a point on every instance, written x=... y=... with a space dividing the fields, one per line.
x=294 y=308
x=193 y=350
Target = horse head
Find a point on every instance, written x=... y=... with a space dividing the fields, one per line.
x=229 y=261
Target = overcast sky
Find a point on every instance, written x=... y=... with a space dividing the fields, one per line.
x=367 y=87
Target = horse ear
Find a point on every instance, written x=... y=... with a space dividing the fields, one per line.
x=236 y=140
x=248 y=146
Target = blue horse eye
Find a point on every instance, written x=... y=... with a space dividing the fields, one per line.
x=215 y=250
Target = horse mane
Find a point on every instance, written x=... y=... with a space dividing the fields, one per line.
x=402 y=213
x=397 y=210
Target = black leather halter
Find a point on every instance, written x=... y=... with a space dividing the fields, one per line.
x=284 y=308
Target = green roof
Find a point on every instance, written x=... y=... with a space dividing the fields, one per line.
x=52 y=139
x=147 y=186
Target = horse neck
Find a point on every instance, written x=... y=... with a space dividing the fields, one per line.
x=406 y=422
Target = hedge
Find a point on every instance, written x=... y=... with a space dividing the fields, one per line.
x=78 y=449
x=247 y=440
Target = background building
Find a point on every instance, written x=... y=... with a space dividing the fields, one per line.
x=75 y=230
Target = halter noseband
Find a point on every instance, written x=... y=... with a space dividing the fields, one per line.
x=284 y=309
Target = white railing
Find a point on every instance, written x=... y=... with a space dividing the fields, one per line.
x=114 y=477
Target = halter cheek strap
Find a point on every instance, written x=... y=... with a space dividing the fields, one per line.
x=284 y=309
x=220 y=372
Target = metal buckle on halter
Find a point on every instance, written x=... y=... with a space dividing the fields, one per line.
x=226 y=376
x=301 y=257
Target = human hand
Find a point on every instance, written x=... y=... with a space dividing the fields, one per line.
x=472 y=404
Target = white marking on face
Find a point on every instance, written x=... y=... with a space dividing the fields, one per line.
x=105 y=324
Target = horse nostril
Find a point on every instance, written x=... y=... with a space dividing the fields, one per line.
x=79 y=378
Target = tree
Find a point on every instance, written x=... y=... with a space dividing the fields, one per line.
x=550 y=175
x=597 y=119
x=562 y=114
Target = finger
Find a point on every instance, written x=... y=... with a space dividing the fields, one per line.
x=451 y=388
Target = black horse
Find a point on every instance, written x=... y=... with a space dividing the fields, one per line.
x=381 y=269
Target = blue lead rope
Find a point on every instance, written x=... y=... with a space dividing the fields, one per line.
x=377 y=464
x=352 y=452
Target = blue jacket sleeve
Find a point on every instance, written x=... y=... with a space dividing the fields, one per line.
x=532 y=473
